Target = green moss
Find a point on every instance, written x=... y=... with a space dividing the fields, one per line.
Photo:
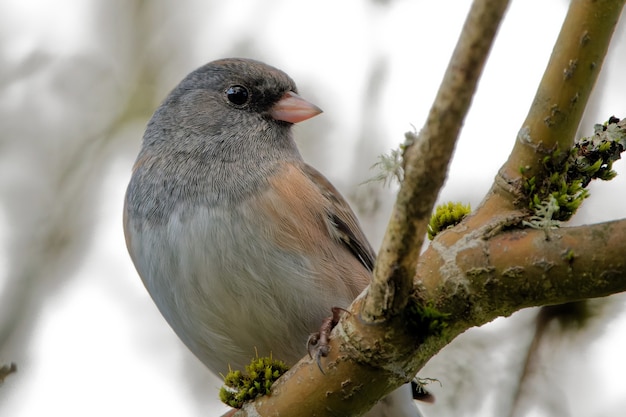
x=240 y=387
x=569 y=255
x=559 y=195
x=445 y=216
x=426 y=320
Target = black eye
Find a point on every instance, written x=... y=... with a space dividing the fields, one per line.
x=237 y=94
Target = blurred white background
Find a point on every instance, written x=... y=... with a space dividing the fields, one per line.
x=79 y=80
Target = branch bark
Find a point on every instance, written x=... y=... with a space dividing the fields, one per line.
x=477 y=279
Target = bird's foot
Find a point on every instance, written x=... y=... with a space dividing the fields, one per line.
x=318 y=342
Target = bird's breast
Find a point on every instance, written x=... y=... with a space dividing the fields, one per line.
x=259 y=272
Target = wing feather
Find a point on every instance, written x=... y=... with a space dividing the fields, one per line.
x=345 y=226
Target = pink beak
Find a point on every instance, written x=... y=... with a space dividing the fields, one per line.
x=293 y=109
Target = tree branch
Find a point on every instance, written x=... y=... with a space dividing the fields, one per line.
x=565 y=88
x=6 y=370
x=478 y=270
x=476 y=280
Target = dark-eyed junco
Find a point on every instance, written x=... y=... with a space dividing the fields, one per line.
x=243 y=247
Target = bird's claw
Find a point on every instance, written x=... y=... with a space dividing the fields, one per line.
x=319 y=342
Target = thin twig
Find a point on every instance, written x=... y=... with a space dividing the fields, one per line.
x=426 y=161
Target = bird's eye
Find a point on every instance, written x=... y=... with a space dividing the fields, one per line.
x=237 y=94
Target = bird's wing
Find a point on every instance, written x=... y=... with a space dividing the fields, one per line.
x=344 y=223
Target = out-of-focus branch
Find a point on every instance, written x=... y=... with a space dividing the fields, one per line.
x=6 y=370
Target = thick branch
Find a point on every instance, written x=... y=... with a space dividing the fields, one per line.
x=478 y=280
x=426 y=160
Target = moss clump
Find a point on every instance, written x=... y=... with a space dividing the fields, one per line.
x=426 y=320
x=562 y=191
x=240 y=387
x=445 y=216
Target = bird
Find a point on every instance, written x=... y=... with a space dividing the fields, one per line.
x=243 y=246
